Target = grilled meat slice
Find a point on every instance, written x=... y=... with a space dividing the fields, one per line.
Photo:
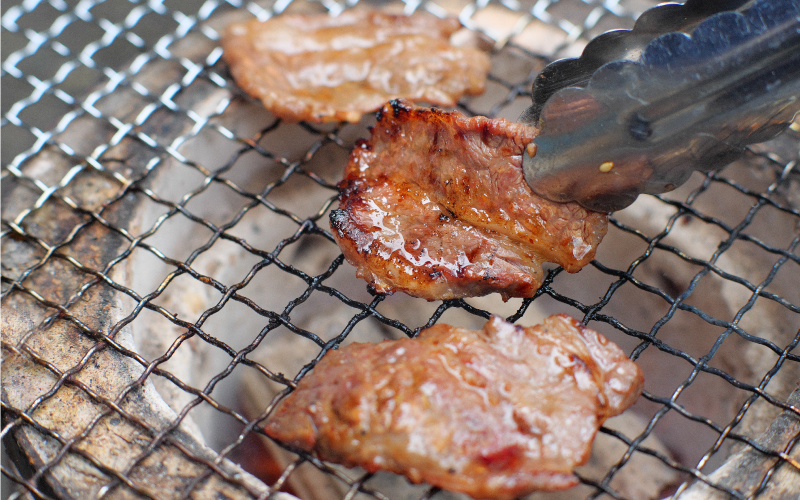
x=323 y=68
x=494 y=413
x=436 y=205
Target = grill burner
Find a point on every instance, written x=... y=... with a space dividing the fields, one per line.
x=168 y=271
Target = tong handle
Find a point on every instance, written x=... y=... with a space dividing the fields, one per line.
x=689 y=103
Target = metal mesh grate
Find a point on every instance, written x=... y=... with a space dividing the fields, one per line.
x=168 y=273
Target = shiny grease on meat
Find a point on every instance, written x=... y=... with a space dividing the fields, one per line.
x=494 y=413
x=435 y=205
x=322 y=68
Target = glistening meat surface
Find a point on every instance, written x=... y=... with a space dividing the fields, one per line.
x=323 y=68
x=435 y=205
x=494 y=413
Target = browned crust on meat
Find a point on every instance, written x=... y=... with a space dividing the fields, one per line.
x=436 y=205
x=322 y=68
x=494 y=413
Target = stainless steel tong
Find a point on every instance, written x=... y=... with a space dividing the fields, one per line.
x=686 y=89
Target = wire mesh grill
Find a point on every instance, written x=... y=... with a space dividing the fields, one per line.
x=168 y=273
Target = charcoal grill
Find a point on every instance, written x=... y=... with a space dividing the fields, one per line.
x=168 y=273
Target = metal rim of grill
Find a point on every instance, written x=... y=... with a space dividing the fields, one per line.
x=122 y=136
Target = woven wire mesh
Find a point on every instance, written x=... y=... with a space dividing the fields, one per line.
x=165 y=237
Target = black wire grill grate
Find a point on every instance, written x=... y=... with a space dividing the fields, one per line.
x=167 y=259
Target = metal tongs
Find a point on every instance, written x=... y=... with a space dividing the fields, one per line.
x=686 y=89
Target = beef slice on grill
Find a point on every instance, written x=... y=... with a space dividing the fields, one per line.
x=316 y=67
x=435 y=205
x=494 y=413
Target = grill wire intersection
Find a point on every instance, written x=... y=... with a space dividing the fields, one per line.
x=146 y=200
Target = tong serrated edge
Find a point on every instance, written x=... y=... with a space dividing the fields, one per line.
x=620 y=45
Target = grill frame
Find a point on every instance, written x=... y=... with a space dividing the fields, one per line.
x=70 y=178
